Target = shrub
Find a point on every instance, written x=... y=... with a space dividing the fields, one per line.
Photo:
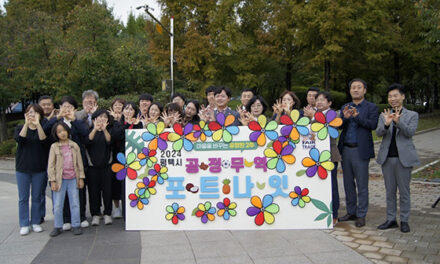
x=6 y=147
x=163 y=97
x=339 y=98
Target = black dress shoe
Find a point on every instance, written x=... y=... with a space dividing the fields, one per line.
x=388 y=224
x=360 y=222
x=404 y=227
x=347 y=217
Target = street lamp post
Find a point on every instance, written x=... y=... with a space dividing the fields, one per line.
x=171 y=35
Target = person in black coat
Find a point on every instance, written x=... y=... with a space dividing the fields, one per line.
x=99 y=158
x=356 y=147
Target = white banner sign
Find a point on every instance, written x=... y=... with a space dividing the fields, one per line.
x=219 y=176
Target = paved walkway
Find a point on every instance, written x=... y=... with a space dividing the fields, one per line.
x=422 y=244
x=344 y=244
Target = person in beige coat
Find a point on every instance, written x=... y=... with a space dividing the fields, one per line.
x=66 y=174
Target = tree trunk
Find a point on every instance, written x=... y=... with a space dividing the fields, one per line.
x=396 y=68
x=327 y=75
x=3 y=127
x=289 y=76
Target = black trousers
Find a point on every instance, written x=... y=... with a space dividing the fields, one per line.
x=100 y=186
x=116 y=188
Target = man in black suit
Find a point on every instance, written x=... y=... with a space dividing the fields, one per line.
x=356 y=146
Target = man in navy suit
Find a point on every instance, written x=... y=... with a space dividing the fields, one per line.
x=356 y=146
x=397 y=155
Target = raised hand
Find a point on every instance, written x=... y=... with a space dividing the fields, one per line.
x=52 y=114
x=347 y=112
x=95 y=124
x=112 y=113
x=175 y=118
x=62 y=113
x=396 y=116
x=277 y=107
x=309 y=111
x=354 y=112
x=240 y=110
x=388 y=116
x=27 y=120
x=36 y=120
x=246 y=118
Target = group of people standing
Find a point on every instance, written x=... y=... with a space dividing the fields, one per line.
x=74 y=150
x=397 y=154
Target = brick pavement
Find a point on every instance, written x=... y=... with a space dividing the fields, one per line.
x=422 y=244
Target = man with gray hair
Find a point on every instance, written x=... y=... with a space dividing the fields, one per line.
x=90 y=104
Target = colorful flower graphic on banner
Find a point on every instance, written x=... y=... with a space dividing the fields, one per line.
x=287 y=139
x=318 y=163
x=201 y=131
x=299 y=197
x=147 y=157
x=226 y=208
x=294 y=125
x=223 y=128
x=278 y=154
x=262 y=129
x=175 y=213
x=159 y=174
x=326 y=124
x=205 y=212
x=144 y=190
x=126 y=167
x=181 y=137
x=138 y=201
x=156 y=136
x=263 y=211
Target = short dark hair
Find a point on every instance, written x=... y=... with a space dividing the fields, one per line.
x=253 y=100
x=210 y=89
x=45 y=97
x=173 y=107
x=178 y=95
x=294 y=97
x=326 y=95
x=312 y=89
x=223 y=88
x=37 y=108
x=101 y=111
x=54 y=130
x=364 y=83
x=146 y=97
x=70 y=100
x=159 y=105
x=396 y=86
x=248 y=90
x=133 y=105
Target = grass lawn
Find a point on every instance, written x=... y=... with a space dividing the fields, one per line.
x=429 y=173
x=424 y=123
